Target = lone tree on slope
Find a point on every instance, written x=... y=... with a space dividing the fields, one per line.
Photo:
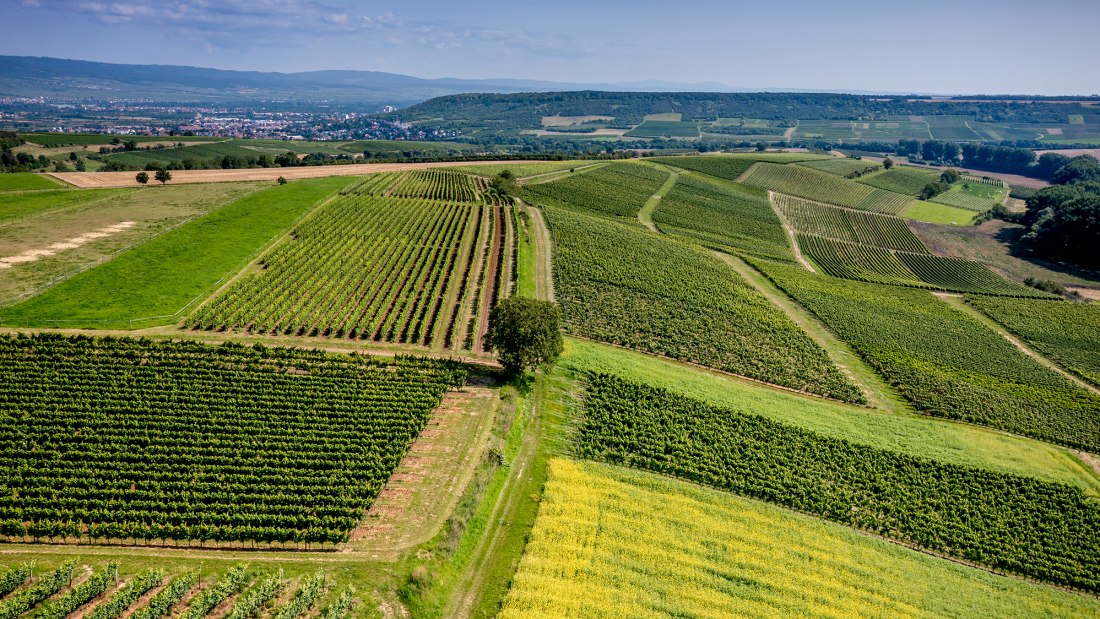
x=142 y=177
x=525 y=333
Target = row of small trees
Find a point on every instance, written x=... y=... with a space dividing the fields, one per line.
x=163 y=176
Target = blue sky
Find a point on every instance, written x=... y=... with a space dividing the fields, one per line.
x=964 y=46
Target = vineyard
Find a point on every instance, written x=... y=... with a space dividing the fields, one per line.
x=905 y=180
x=408 y=270
x=723 y=217
x=797 y=180
x=843 y=167
x=619 y=190
x=874 y=229
x=125 y=439
x=1068 y=333
x=944 y=362
x=1038 y=529
x=430 y=184
x=626 y=286
x=154 y=594
x=730 y=167
x=867 y=263
x=611 y=542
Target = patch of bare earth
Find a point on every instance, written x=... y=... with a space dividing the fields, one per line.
x=32 y=255
x=422 y=490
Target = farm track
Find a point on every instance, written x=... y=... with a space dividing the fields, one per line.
x=92 y=180
x=544 y=249
x=645 y=214
x=956 y=301
x=790 y=234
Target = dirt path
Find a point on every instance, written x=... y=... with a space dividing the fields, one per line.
x=645 y=215
x=496 y=247
x=468 y=588
x=879 y=394
x=956 y=301
x=789 y=133
x=790 y=234
x=544 y=249
x=747 y=173
x=88 y=180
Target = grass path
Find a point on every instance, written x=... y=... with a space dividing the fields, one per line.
x=544 y=244
x=645 y=215
x=879 y=394
x=547 y=177
x=790 y=234
x=956 y=301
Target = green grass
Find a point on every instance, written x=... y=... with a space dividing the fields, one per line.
x=17 y=206
x=971 y=195
x=523 y=169
x=25 y=181
x=163 y=275
x=936 y=213
x=610 y=542
x=906 y=433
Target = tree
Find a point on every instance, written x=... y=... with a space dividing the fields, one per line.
x=504 y=183
x=761 y=146
x=281 y=180
x=142 y=177
x=887 y=163
x=950 y=177
x=1081 y=168
x=525 y=333
x=163 y=176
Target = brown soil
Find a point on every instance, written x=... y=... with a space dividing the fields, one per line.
x=491 y=276
x=143 y=601
x=91 y=180
x=1091 y=294
x=1072 y=152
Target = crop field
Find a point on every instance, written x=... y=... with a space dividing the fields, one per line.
x=1002 y=521
x=25 y=181
x=141 y=440
x=972 y=195
x=1068 y=333
x=947 y=127
x=842 y=167
x=824 y=187
x=905 y=180
x=865 y=263
x=624 y=285
x=619 y=190
x=875 y=229
x=407 y=270
x=104 y=591
x=945 y=363
x=664 y=129
x=731 y=167
x=161 y=277
x=947 y=273
x=727 y=216
x=610 y=542
x=437 y=184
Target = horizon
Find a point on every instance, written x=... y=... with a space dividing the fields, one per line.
x=432 y=40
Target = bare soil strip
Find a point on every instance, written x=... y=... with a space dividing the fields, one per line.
x=790 y=234
x=32 y=255
x=491 y=279
x=90 y=180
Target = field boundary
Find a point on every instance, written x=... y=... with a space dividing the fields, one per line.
x=790 y=234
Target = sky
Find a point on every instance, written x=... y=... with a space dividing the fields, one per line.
x=934 y=46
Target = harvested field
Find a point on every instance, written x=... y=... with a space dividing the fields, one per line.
x=87 y=180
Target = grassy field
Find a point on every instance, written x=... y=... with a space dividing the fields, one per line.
x=25 y=181
x=972 y=195
x=842 y=167
x=611 y=542
x=524 y=169
x=936 y=213
x=58 y=242
x=162 y=276
x=16 y=206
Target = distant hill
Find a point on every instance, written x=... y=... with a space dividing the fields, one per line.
x=25 y=76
